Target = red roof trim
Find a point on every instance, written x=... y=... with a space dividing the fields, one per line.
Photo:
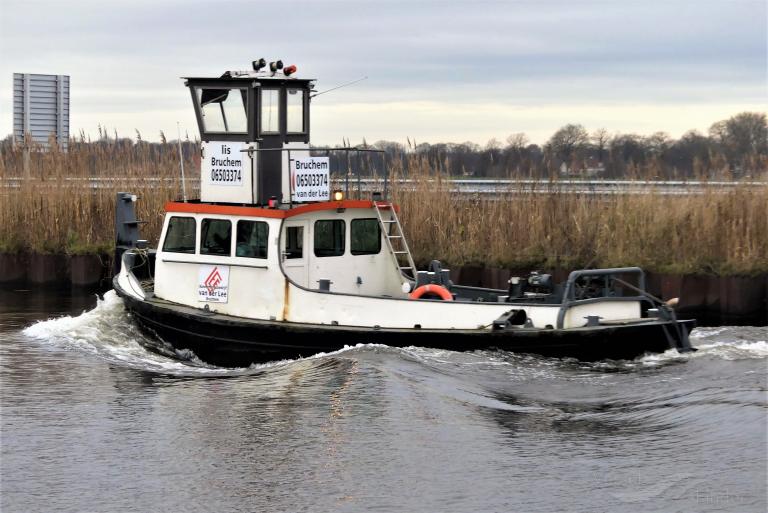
x=231 y=210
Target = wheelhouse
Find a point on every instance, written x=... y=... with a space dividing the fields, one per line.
x=250 y=123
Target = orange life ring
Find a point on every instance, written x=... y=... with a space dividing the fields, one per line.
x=432 y=290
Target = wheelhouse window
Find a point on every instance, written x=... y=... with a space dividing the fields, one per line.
x=294 y=242
x=223 y=110
x=180 y=236
x=270 y=111
x=252 y=239
x=329 y=238
x=365 y=237
x=295 y=111
x=216 y=237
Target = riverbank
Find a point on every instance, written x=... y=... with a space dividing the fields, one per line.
x=712 y=300
x=90 y=271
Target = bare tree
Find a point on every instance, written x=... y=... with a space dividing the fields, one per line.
x=517 y=141
x=568 y=141
x=493 y=144
x=600 y=138
x=658 y=143
x=746 y=134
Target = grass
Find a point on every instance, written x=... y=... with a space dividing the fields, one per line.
x=717 y=232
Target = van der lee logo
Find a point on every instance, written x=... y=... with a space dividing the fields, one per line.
x=213 y=280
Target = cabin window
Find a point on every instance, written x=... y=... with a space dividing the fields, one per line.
x=270 y=111
x=329 y=238
x=223 y=110
x=294 y=242
x=216 y=237
x=365 y=237
x=252 y=239
x=180 y=236
x=295 y=111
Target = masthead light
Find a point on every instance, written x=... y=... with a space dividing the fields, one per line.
x=257 y=65
x=275 y=65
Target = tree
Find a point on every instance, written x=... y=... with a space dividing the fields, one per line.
x=692 y=150
x=628 y=147
x=742 y=135
x=517 y=142
x=658 y=143
x=567 y=142
x=600 y=139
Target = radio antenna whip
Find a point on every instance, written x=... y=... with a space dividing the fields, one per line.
x=181 y=161
x=338 y=87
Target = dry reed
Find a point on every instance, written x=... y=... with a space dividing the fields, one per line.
x=57 y=210
x=721 y=232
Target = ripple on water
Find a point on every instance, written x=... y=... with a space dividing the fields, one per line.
x=491 y=427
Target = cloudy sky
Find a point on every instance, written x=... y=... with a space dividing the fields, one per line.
x=437 y=71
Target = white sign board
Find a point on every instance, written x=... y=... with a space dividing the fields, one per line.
x=310 y=179
x=213 y=283
x=225 y=163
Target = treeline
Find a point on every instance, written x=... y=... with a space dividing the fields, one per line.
x=734 y=148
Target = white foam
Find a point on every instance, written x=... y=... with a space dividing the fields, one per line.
x=108 y=332
x=737 y=350
x=706 y=332
x=82 y=330
x=727 y=350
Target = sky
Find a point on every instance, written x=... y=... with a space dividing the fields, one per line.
x=437 y=71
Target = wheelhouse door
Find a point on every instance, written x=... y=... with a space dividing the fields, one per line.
x=295 y=251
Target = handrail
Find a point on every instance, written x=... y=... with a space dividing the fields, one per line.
x=348 y=150
x=313 y=148
x=569 y=299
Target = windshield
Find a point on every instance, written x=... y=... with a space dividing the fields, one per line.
x=223 y=110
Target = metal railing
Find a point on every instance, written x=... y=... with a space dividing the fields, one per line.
x=572 y=297
x=356 y=176
x=356 y=161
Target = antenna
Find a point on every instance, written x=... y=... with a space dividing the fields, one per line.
x=181 y=161
x=338 y=87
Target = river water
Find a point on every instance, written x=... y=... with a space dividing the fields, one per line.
x=93 y=422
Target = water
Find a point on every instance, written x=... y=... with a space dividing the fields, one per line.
x=93 y=422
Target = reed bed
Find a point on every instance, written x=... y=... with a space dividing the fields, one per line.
x=52 y=207
x=717 y=232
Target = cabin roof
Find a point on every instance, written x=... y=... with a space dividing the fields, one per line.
x=236 y=210
x=252 y=75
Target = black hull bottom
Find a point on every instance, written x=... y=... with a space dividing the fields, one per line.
x=234 y=342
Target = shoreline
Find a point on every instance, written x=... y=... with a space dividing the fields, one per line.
x=711 y=299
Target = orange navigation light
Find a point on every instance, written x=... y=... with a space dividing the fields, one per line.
x=338 y=195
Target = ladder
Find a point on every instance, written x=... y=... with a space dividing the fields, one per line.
x=393 y=234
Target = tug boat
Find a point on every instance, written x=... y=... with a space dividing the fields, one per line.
x=273 y=262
